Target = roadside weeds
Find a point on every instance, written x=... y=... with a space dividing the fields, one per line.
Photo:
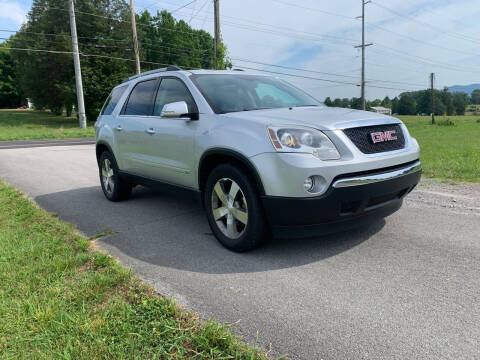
x=61 y=298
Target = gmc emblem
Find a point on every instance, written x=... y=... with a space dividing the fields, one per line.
x=381 y=136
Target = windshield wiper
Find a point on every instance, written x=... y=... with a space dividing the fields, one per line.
x=246 y=109
x=261 y=108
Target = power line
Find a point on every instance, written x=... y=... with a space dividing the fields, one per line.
x=164 y=64
x=181 y=7
x=298 y=76
x=330 y=38
x=99 y=46
x=66 y=35
x=294 y=68
x=92 y=55
x=320 y=79
x=322 y=72
x=289 y=30
x=427 y=61
x=148 y=41
x=313 y=9
x=435 y=28
x=195 y=14
x=282 y=28
x=422 y=41
x=192 y=33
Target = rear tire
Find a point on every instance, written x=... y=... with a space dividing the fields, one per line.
x=114 y=187
x=234 y=210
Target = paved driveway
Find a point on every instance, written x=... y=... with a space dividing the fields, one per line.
x=407 y=287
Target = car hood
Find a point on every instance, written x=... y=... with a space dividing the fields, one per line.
x=320 y=117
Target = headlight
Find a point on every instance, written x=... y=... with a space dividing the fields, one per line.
x=302 y=140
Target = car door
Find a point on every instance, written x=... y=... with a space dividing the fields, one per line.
x=131 y=128
x=170 y=141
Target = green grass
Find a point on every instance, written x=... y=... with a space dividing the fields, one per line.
x=448 y=151
x=29 y=124
x=61 y=300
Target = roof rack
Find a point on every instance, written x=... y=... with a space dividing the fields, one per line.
x=168 y=68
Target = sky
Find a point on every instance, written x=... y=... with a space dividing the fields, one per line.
x=411 y=39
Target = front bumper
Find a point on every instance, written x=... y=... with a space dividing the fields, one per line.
x=350 y=201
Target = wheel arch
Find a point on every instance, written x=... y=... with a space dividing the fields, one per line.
x=214 y=157
x=102 y=146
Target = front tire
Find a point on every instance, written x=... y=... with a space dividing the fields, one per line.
x=114 y=187
x=234 y=210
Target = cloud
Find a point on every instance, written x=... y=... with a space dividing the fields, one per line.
x=12 y=11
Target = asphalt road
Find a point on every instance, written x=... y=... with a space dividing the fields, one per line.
x=407 y=287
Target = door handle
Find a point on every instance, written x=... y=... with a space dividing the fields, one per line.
x=150 y=131
x=119 y=128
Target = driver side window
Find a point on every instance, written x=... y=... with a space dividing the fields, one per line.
x=172 y=90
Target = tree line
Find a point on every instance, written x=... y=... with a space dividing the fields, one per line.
x=416 y=102
x=48 y=78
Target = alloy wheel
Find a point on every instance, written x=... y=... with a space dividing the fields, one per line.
x=107 y=176
x=229 y=208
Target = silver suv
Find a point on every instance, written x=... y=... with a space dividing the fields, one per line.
x=263 y=157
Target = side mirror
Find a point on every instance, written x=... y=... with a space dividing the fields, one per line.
x=177 y=110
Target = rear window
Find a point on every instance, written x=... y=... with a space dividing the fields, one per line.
x=140 y=101
x=113 y=100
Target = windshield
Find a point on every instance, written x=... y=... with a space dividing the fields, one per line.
x=230 y=93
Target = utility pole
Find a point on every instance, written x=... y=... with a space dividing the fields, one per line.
x=363 y=46
x=78 y=71
x=432 y=97
x=135 y=40
x=216 y=6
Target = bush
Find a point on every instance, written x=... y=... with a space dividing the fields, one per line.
x=446 y=122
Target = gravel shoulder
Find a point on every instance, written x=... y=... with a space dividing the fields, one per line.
x=457 y=197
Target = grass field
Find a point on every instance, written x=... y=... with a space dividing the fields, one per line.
x=29 y=124
x=449 y=152
x=61 y=300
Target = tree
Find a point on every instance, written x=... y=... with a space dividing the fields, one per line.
x=10 y=96
x=328 y=102
x=475 y=99
x=48 y=78
x=395 y=103
x=356 y=103
x=423 y=102
x=447 y=100
x=337 y=102
x=460 y=102
x=407 y=105
x=386 y=102
x=345 y=103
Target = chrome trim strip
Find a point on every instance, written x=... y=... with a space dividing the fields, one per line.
x=376 y=121
x=369 y=179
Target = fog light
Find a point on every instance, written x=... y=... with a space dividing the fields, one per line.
x=315 y=184
x=309 y=184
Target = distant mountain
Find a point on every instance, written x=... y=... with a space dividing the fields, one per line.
x=464 y=88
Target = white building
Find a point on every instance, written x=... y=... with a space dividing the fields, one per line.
x=381 y=110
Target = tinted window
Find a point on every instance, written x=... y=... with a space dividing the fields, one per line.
x=230 y=93
x=140 y=101
x=112 y=100
x=173 y=90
